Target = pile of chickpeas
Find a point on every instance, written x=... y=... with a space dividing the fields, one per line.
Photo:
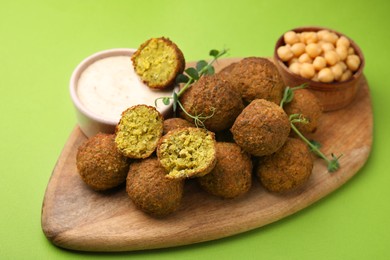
x=320 y=56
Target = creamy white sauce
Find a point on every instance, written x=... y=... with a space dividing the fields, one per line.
x=109 y=86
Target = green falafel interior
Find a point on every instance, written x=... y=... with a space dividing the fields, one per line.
x=187 y=152
x=138 y=131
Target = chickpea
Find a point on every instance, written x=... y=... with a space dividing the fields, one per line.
x=298 y=48
x=327 y=46
x=302 y=36
x=291 y=37
x=313 y=49
x=307 y=70
x=305 y=58
x=331 y=57
x=353 y=62
x=284 y=53
x=315 y=77
x=346 y=75
x=337 y=71
x=321 y=33
x=295 y=68
x=319 y=63
x=325 y=75
x=351 y=51
x=310 y=37
x=343 y=65
x=343 y=41
x=293 y=60
x=342 y=51
x=330 y=37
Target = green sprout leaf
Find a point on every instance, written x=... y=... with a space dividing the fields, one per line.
x=193 y=73
x=214 y=53
x=200 y=65
x=166 y=101
x=334 y=164
x=181 y=78
x=210 y=70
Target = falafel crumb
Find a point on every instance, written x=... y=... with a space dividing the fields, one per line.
x=138 y=131
x=187 y=152
x=158 y=61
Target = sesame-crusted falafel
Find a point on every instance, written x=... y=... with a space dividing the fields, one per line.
x=187 y=152
x=288 y=169
x=158 y=61
x=262 y=128
x=150 y=190
x=255 y=78
x=307 y=104
x=100 y=164
x=232 y=175
x=214 y=97
x=138 y=131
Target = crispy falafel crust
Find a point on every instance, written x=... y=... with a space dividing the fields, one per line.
x=150 y=190
x=261 y=128
x=212 y=92
x=255 y=78
x=138 y=131
x=288 y=169
x=232 y=175
x=175 y=123
x=307 y=104
x=100 y=164
x=158 y=61
x=187 y=152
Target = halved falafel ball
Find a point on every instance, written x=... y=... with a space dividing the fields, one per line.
x=262 y=128
x=150 y=190
x=138 y=131
x=255 y=78
x=175 y=123
x=100 y=164
x=288 y=169
x=232 y=175
x=307 y=104
x=187 y=152
x=214 y=96
x=158 y=61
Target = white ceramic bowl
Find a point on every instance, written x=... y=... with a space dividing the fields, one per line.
x=90 y=122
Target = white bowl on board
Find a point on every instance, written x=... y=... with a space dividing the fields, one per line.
x=91 y=121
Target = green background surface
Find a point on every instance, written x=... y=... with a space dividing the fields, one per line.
x=41 y=42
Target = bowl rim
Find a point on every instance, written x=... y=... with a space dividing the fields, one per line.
x=85 y=63
x=316 y=84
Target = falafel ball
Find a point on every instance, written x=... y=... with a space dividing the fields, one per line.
x=307 y=104
x=255 y=78
x=215 y=97
x=232 y=175
x=158 y=61
x=262 y=128
x=187 y=152
x=138 y=131
x=150 y=190
x=288 y=169
x=175 y=123
x=100 y=164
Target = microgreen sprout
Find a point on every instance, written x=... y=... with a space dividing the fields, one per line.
x=190 y=76
x=333 y=163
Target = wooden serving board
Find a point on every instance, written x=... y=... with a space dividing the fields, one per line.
x=76 y=217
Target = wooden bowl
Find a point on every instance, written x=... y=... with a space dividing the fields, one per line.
x=334 y=95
